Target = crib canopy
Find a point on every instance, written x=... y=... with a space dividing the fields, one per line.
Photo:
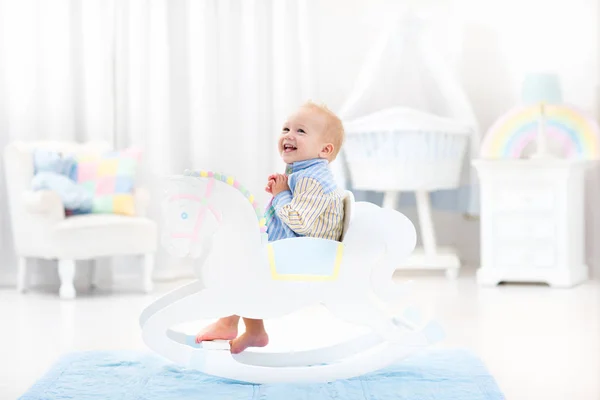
x=404 y=70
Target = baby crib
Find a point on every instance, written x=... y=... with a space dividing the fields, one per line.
x=405 y=150
x=397 y=140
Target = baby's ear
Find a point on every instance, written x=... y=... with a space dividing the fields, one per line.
x=327 y=149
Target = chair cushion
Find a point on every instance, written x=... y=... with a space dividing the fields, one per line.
x=110 y=177
x=102 y=220
x=97 y=235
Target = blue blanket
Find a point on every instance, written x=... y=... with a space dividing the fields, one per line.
x=435 y=375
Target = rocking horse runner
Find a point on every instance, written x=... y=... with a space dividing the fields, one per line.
x=212 y=218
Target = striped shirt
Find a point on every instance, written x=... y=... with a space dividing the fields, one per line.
x=312 y=207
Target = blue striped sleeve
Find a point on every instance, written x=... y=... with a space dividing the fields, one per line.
x=281 y=199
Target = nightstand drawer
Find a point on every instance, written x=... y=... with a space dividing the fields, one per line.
x=525 y=256
x=524 y=228
x=525 y=199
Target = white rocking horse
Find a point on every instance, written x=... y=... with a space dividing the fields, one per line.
x=213 y=218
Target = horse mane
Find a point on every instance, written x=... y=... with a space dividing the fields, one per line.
x=231 y=181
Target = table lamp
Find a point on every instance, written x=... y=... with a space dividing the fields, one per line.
x=541 y=89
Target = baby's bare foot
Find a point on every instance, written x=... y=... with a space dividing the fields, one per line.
x=249 y=339
x=219 y=330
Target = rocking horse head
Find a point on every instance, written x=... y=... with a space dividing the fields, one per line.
x=211 y=212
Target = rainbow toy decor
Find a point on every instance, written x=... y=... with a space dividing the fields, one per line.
x=577 y=133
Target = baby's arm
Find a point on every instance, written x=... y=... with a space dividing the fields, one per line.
x=301 y=211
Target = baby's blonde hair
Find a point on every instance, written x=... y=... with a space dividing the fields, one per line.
x=334 y=130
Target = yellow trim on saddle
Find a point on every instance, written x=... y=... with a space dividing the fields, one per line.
x=305 y=277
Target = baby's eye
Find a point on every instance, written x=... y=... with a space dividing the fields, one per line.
x=286 y=129
x=301 y=131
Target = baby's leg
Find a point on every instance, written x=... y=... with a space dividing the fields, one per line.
x=255 y=336
x=224 y=329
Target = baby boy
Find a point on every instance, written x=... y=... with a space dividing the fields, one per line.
x=305 y=202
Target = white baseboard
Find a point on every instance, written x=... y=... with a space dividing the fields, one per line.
x=8 y=276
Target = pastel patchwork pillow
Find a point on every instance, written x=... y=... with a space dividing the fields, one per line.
x=110 y=178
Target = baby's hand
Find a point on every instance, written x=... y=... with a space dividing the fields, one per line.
x=270 y=183
x=280 y=184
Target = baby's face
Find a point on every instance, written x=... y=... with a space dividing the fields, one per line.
x=303 y=136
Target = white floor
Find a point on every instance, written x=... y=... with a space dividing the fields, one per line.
x=539 y=343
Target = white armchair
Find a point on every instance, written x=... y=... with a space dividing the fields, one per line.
x=41 y=230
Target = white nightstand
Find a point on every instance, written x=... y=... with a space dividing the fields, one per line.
x=532 y=221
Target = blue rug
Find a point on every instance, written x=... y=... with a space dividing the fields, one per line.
x=436 y=375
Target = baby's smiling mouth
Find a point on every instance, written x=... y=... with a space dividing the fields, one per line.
x=287 y=148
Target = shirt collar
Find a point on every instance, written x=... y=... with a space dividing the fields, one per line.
x=300 y=165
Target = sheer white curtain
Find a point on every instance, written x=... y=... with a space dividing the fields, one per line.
x=55 y=75
x=196 y=83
